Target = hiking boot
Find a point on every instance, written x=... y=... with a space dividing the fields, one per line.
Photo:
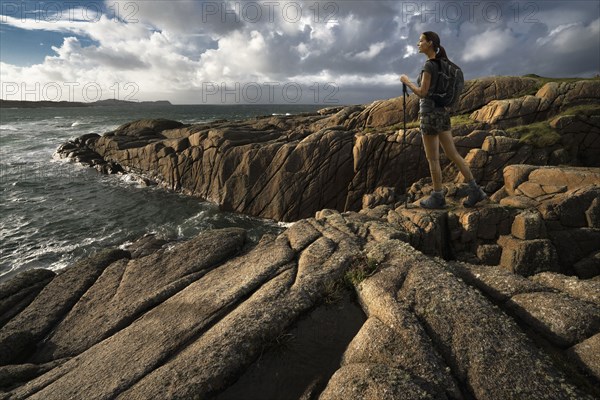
x=474 y=196
x=435 y=200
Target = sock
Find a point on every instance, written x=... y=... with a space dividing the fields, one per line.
x=437 y=193
x=473 y=184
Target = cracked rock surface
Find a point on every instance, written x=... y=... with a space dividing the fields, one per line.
x=191 y=320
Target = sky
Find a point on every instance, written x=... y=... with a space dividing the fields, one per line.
x=293 y=52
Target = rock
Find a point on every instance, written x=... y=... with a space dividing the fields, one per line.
x=574 y=245
x=580 y=134
x=489 y=254
x=377 y=382
x=140 y=127
x=478 y=92
x=549 y=100
x=227 y=315
x=19 y=336
x=528 y=225
x=522 y=202
x=528 y=257
x=587 y=353
x=13 y=375
x=588 y=267
x=144 y=246
x=126 y=290
x=426 y=229
x=562 y=319
x=571 y=177
x=17 y=293
x=499 y=284
x=476 y=158
x=592 y=214
x=199 y=319
x=393 y=336
x=580 y=289
x=520 y=111
x=470 y=332
x=382 y=195
x=514 y=175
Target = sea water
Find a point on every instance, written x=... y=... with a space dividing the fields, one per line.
x=53 y=212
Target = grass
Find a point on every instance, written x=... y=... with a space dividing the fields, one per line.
x=542 y=80
x=541 y=134
x=364 y=267
x=462 y=119
x=538 y=134
x=587 y=109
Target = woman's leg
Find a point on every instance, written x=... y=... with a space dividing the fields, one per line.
x=475 y=194
x=453 y=155
x=432 y=152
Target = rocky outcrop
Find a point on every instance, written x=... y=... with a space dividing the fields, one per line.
x=552 y=98
x=289 y=167
x=203 y=319
x=386 y=113
x=543 y=219
x=498 y=301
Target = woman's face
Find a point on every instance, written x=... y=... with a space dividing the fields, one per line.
x=423 y=44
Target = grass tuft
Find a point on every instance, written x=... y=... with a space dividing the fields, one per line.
x=538 y=134
x=363 y=268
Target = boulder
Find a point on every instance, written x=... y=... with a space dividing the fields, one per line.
x=563 y=319
x=497 y=283
x=20 y=335
x=588 y=267
x=575 y=245
x=548 y=101
x=586 y=290
x=587 y=354
x=17 y=293
x=528 y=225
x=528 y=257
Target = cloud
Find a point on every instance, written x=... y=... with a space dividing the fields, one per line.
x=174 y=48
x=489 y=44
x=373 y=51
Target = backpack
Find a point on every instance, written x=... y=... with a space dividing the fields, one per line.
x=450 y=83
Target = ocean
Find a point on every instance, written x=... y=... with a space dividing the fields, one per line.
x=53 y=212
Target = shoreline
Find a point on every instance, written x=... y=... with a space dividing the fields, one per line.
x=212 y=315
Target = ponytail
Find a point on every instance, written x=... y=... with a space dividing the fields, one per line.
x=440 y=52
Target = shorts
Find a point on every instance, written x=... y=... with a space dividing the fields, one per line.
x=434 y=122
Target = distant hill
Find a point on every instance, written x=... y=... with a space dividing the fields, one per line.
x=60 y=104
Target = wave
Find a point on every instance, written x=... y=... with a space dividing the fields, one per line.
x=8 y=128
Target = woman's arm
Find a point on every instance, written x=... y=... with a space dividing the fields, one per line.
x=419 y=91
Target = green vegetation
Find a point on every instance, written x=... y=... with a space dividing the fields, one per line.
x=363 y=268
x=538 y=134
x=542 y=80
x=587 y=109
x=541 y=134
x=462 y=119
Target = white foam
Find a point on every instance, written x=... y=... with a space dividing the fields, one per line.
x=8 y=128
x=285 y=224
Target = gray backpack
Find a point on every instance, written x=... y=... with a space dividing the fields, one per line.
x=450 y=83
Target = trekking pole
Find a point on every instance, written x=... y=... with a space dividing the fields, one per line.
x=404 y=144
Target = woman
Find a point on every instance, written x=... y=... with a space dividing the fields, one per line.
x=435 y=127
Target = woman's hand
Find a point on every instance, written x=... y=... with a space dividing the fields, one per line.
x=404 y=79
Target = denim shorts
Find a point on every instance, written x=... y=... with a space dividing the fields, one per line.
x=433 y=120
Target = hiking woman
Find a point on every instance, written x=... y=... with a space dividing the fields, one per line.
x=435 y=126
